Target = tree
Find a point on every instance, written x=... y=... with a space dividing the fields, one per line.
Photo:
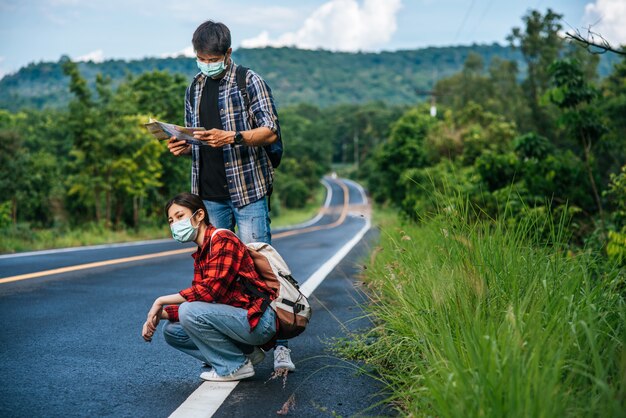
x=540 y=44
x=573 y=94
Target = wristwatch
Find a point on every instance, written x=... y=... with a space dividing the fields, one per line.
x=238 y=138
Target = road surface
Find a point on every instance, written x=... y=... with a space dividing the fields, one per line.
x=71 y=324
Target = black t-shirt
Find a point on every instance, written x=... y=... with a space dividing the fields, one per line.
x=213 y=185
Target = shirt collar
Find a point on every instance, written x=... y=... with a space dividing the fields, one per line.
x=206 y=244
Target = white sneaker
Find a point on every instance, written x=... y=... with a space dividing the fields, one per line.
x=245 y=371
x=282 y=359
x=256 y=356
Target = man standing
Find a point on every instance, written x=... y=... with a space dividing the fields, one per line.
x=232 y=172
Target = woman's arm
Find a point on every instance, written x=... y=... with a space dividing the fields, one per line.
x=157 y=313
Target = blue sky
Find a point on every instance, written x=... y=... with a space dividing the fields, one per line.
x=43 y=30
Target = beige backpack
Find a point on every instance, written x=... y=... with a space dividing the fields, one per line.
x=292 y=308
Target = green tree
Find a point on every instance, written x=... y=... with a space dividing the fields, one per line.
x=540 y=44
x=582 y=120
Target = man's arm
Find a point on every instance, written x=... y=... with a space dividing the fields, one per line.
x=256 y=137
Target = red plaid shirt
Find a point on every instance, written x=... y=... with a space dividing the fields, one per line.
x=219 y=265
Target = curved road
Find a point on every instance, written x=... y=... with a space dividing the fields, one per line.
x=71 y=322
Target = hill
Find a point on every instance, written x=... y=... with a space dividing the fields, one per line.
x=318 y=77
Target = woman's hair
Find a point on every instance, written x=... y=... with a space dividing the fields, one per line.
x=190 y=201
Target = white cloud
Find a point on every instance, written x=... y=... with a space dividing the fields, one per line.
x=608 y=18
x=185 y=52
x=339 y=25
x=95 y=56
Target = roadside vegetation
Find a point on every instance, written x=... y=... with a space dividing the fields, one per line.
x=485 y=319
x=499 y=286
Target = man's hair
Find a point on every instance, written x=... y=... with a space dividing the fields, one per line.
x=211 y=38
x=189 y=201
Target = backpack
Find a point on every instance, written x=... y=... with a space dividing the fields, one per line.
x=274 y=151
x=293 y=310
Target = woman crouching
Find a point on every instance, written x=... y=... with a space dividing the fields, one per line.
x=215 y=319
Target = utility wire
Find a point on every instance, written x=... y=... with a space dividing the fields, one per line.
x=469 y=10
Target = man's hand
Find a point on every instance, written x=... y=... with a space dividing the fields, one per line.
x=178 y=147
x=215 y=137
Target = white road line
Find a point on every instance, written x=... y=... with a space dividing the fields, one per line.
x=359 y=188
x=207 y=399
x=89 y=247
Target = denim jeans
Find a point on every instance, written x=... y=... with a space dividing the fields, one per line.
x=214 y=333
x=253 y=220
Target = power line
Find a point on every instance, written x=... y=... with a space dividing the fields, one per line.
x=458 y=32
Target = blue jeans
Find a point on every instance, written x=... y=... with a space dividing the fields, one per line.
x=253 y=220
x=214 y=333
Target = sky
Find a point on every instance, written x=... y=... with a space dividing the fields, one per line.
x=44 y=30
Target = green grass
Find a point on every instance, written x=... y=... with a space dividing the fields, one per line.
x=484 y=320
x=22 y=238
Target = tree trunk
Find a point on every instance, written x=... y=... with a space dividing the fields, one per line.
x=14 y=210
x=136 y=212
x=96 y=196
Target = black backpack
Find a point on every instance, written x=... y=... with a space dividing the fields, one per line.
x=274 y=151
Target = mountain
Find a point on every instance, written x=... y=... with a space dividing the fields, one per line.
x=318 y=77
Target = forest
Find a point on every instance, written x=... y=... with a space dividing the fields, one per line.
x=317 y=77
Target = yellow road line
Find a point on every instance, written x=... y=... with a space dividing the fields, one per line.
x=342 y=218
x=93 y=265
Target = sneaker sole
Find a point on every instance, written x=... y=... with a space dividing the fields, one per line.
x=227 y=378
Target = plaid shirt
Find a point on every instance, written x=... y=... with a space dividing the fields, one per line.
x=249 y=173
x=218 y=271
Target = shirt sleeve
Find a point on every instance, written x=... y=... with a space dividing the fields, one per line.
x=222 y=266
x=262 y=103
x=172 y=313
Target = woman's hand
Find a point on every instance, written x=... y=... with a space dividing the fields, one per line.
x=154 y=316
x=146 y=333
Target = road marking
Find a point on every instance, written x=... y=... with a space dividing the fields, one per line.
x=202 y=403
x=93 y=265
x=339 y=221
x=342 y=217
x=86 y=247
x=319 y=215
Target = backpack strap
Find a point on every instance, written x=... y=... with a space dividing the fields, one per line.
x=240 y=75
x=246 y=284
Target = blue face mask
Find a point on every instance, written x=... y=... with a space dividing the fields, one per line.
x=184 y=231
x=212 y=69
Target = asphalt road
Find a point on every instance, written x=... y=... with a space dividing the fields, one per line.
x=71 y=345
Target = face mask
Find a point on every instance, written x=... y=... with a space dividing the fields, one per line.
x=211 y=70
x=184 y=231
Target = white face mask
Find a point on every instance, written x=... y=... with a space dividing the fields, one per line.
x=212 y=69
x=183 y=230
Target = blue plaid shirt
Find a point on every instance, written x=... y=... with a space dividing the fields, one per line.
x=249 y=173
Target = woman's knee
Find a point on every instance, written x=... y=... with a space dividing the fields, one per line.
x=174 y=333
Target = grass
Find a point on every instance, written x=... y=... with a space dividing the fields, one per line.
x=485 y=320
x=23 y=238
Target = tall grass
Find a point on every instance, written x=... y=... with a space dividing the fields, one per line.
x=487 y=320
